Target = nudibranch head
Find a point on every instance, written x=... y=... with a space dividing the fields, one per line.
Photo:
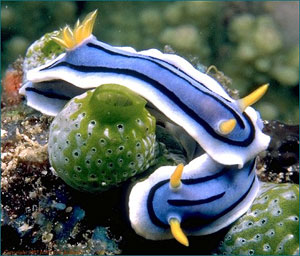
x=101 y=138
x=70 y=38
x=202 y=199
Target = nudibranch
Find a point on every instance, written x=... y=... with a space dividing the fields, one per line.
x=101 y=138
x=201 y=198
x=229 y=130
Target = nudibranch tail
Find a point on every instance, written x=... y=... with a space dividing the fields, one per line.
x=177 y=232
x=69 y=39
x=176 y=176
x=252 y=97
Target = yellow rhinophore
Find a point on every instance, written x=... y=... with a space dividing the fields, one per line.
x=70 y=38
x=176 y=176
x=177 y=232
x=227 y=126
x=252 y=97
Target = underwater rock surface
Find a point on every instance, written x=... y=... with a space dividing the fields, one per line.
x=43 y=215
x=39 y=215
x=280 y=163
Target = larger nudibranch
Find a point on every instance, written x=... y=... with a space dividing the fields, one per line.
x=198 y=199
x=227 y=129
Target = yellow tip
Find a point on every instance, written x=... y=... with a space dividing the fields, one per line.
x=252 y=97
x=177 y=232
x=176 y=176
x=68 y=36
x=78 y=34
x=59 y=41
x=71 y=38
x=227 y=126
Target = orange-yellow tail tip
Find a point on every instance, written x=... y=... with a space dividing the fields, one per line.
x=252 y=97
x=175 y=179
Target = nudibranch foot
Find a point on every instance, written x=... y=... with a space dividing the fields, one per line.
x=211 y=196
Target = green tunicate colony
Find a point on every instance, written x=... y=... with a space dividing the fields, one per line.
x=271 y=225
x=101 y=138
x=42 y=51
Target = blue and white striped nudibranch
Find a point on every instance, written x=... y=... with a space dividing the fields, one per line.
x=227 y=129
x=202 y=199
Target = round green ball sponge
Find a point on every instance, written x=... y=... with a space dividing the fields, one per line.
x=270 y=226
x=101 y=138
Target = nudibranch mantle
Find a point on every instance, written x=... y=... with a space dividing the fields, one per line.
x=186 y=96
x=210 y=198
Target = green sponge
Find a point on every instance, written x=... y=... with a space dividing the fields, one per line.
x=101 y=138
x=271 y=225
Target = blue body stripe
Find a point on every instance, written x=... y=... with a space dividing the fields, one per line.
x=170 y=79
x=176 y=72
x=162 y=63
x=181 y=203
x=170 y=94
x=50 y=95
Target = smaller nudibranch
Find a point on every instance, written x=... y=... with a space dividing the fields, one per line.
x=201 y=198
x=228 y=130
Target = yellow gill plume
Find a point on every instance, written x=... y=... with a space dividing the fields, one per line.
x=70 y=38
